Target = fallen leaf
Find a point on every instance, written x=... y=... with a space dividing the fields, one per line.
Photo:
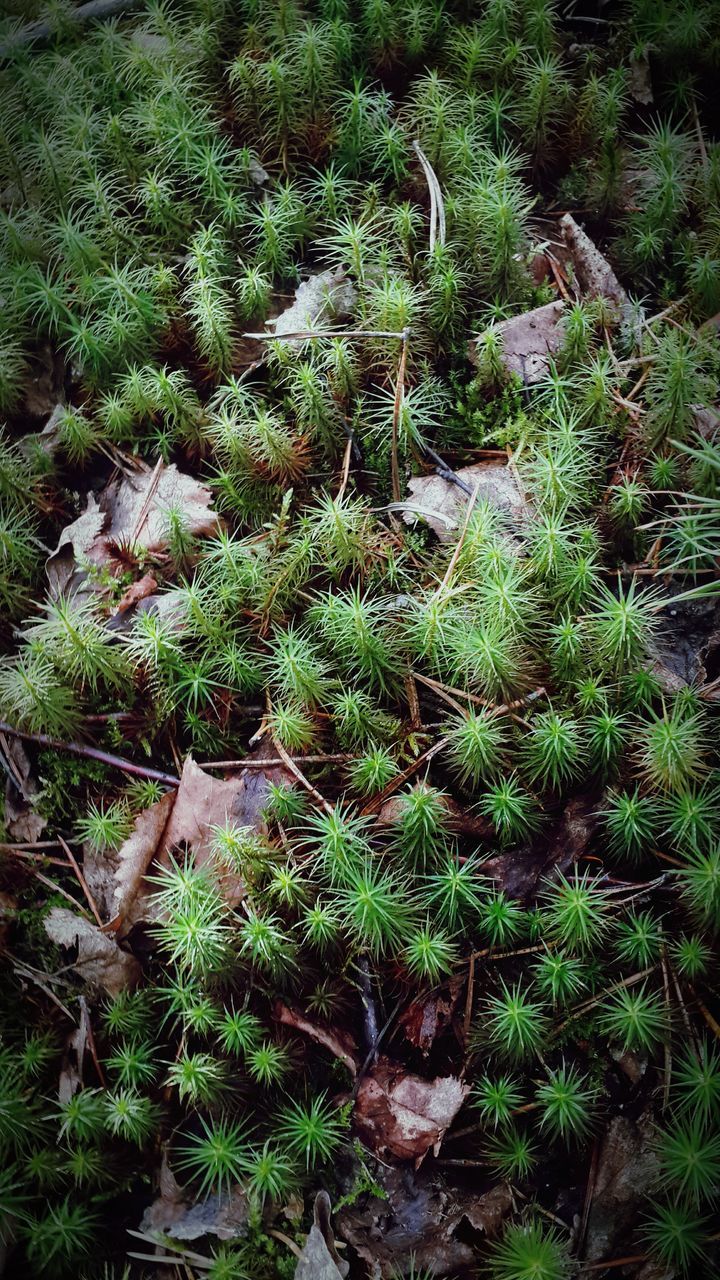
x=529 y=341
x=593 y=272
x=319 y=302
x=684 y=653
x=135 y=855
x=419 y=1222
x=338 y=1042
x=224 y=1216
x=71 y=1072
x=521 y=872
x=427 y=1017
x=442 y=504
x=137 y=591
x=130 y=511
x=21 y=821
x=628 y=1169
x=400 y=1114
x=640 y=79
x=320 y=1259
x=459 y=820
x=100 y=961
x=184 y=819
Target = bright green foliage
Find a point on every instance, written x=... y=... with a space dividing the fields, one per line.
x=566 y=1104
x=530 y=1252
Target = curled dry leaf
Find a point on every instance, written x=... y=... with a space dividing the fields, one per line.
x=320 y=1259
x=442 y=504
x=628 y=1170
x=400 y=1114
x=130 y=511
x=396 y=1112
x=529 y=341
x=430 y=1014
x=100 y=961
x=594 y=274
x=224 y=1216
x=339 y=1043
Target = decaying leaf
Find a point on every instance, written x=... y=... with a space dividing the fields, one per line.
x=224 y=1216
x=136 y=854
x=21 y=820
x=71 y=1073
x=320 y=1259
x=395 y=1112
x=594 y=274
x=428 y=1016
x=130 y=511
x=521 y=872
x=459 y=820
x=421 y=1220
x=627 y=1170
x=529 y=341
x=319 y=302
x=400 y=1114
x=184 y=819
x=442 y=504
x=338 y=1042
x=100 y=961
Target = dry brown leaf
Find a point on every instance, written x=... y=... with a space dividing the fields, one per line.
x=320 y=1259
x=339 y=1043
x=184 y=819
x=71 y=1073
x=137 y=591
x=131 y=510
x=224 y=1216
x=520 y=872
x=593 y=272
x=627 y=1170
x=442 y=504
x=427 y=1017
x=402 y=1115
x=319 y=303
x=529 y=341
x=100 y=961
x=136 y=854
x=22 y=822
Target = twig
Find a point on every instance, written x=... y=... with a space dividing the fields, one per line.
x=370 y=1023
x=37 y=31
x=326 y=333
x=23 y=972
x=91 y=753
x=290 y=763
x=397 y=410
x=580 y=1009
x=667 y=1049
x=445 y=471
x=91 y=1041
x=29 y=856
x=143 y=512
x=346 y=469
x=268 y=761
x=82 y=881
x=57 y=888
x=469 y=999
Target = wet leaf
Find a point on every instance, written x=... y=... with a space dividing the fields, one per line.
x=320 y=1259
x=100 y=961
x=530 y=341
x=441 y=503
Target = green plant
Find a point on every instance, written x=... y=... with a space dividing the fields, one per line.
x=676 y=1234
x=215 y=1156
x=529 y=1252
x=511 y=809
x=566 y=1102
x=576 y=910
x=696 y=1080
x=553 y=749
x=476 y=746
x=429 y=954
x=636 y=1018
x=511 y=1154
x=496 y=1098
x=689 y=1158
x=58 y=1240
x=311 y=1131
x=514 y=1024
